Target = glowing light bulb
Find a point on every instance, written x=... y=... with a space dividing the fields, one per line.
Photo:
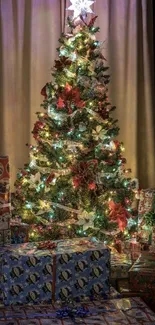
x=28 y=205
x=38 y=189
x=25 y=181
x=122 y=147
x=54 y=181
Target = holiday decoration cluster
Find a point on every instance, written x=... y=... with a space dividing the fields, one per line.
x=76 y=183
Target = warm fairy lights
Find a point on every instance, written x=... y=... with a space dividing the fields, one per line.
x=75 y=183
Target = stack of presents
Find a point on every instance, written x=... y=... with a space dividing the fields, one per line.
x=69 y=281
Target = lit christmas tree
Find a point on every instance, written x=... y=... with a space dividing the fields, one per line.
x=76 y=184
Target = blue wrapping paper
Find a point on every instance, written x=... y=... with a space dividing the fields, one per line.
x=31 y=275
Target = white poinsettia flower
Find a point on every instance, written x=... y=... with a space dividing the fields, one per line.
x=99 y=133
x=86 y=219
x=35 y=178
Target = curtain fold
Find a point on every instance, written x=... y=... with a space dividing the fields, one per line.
x=29 y=33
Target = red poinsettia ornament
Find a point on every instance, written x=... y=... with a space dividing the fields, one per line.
x=70 y=96
x=84 y=174
x=62 y=62
x=118 y=214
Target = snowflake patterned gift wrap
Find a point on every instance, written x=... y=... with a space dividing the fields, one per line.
x=74 y=268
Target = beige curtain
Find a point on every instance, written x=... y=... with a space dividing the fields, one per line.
x=29 y=32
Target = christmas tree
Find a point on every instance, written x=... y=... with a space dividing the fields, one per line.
x=76 y=183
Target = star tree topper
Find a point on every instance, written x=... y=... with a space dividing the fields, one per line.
x=81 y=7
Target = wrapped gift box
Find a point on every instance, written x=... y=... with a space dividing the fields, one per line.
x=5 y=204
x=142 y=273
x=132 y=248
x=19 y=232
x=146 y=201
x=142 y=278
x=119 y=311
x=74 y=268
x=120 y=265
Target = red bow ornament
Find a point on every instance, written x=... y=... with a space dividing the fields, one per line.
x=44 y=91
x=47 y=245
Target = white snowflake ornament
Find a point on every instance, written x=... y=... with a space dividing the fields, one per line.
x=81 y=7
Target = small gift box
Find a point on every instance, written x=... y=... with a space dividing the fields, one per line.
x=19 y=231
x=33 y=273
x=142 y=273
x=120 y=265
x=146 y=201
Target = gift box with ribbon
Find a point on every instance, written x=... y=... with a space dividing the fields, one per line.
x=5 y=205
x=34 y=273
